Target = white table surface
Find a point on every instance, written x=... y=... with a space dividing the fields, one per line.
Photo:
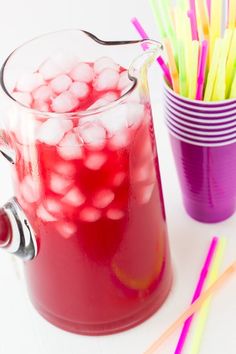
x=22 y=330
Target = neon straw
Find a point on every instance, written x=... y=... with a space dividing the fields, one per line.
x=209 y=7
x=215 y=24
x=213 y=71
x=158 y=18
x=194 y=53
x=230 y=271
x=193 y=20
x=172 y=65
x=204 y=18
x=197 y=292
x=219 y=92
x=160 y=60
x=233 y=88
x=182 y=71
x=203 y=314
x=231 y=62
x=232 y=14
x=202 y=70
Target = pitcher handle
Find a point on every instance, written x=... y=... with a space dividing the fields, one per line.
x=16 y=234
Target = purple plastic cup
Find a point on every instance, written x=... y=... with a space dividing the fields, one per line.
x=207 y=179
x=205 y=157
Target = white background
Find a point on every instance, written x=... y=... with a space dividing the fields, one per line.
x=22 y=330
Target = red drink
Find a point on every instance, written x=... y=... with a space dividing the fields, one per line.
x=90 y=186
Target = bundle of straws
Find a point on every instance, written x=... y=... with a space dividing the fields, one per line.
x=200 y=42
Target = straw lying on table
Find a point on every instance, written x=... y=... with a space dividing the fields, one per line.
x=203 y=313
x=198 y=290
x=230 y=271
x=205 y=21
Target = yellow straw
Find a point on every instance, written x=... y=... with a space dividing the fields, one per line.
x=232 y=14
x=203 y=14
x=215 y=24
x=230 y=271
x=213 y=70
x=187 y=41
x=219 y=92
x=233 y=88
x=204 y=311
x=172 y=64
x=231 y=62
x=194 y=53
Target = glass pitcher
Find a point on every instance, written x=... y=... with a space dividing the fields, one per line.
x=88 y=216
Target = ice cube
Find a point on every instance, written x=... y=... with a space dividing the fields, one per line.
x=82 y=72
x=61 y=83
x=135 y=114
x=52 y=131
x=49 y=69
x=99 y=103
x=58 y=184
x=65 y=60
x=43 y=214
x=120 y=140
x=115 y=120
x=41 y=106
x=29 y=82
x=74 y=197
x=66 y=229
x=66 y=169
x=79 y=89
x=26 y=133
x=43 y=93
x=92 y=134
x=69 y=148
x=90 y=214
x=65 y=102
x=118 y=179
x=104 y=63
x=103 y=198
x=124 y=82
x=106 y=80
x=110 y=96
x=24 y=98
x=115 y=214
x=53 y=206
x=95 y=161
x=30 y=189
x=145 y=193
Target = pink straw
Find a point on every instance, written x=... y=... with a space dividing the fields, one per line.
x=193 y=19
x=197 y=293
x=202 y=70
x=209 y=7
x=160 y=60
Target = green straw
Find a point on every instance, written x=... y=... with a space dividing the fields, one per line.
x=213 y=70
x=158 y=18
x=182 y=70
x=204 y=311
x=233 y=88
x=231 y=63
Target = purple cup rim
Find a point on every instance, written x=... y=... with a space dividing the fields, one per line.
x=200 y=126
x=194 y=102
x=200 y=144
x=203 y=133
x=172 y=106
x=204 y=139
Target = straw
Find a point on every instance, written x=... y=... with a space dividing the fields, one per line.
x=157 y=17
x=219 y=92
x=197 y=292
x=187 y=42
x=160 y=60
x=202 y=70
x=203 y=314
x=193 y=308
x=231 y=62
x=193 y=20
x=182 y=70
x=215 y=23
x=194 y=53
x=204 y=18
x=209 y=7
x=232 y=14
x=213 y=71
x=172 y=64
x=233 y=88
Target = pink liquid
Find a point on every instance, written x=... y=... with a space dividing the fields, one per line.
x=103 y=263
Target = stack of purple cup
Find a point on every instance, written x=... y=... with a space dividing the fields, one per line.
x=203 y=139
